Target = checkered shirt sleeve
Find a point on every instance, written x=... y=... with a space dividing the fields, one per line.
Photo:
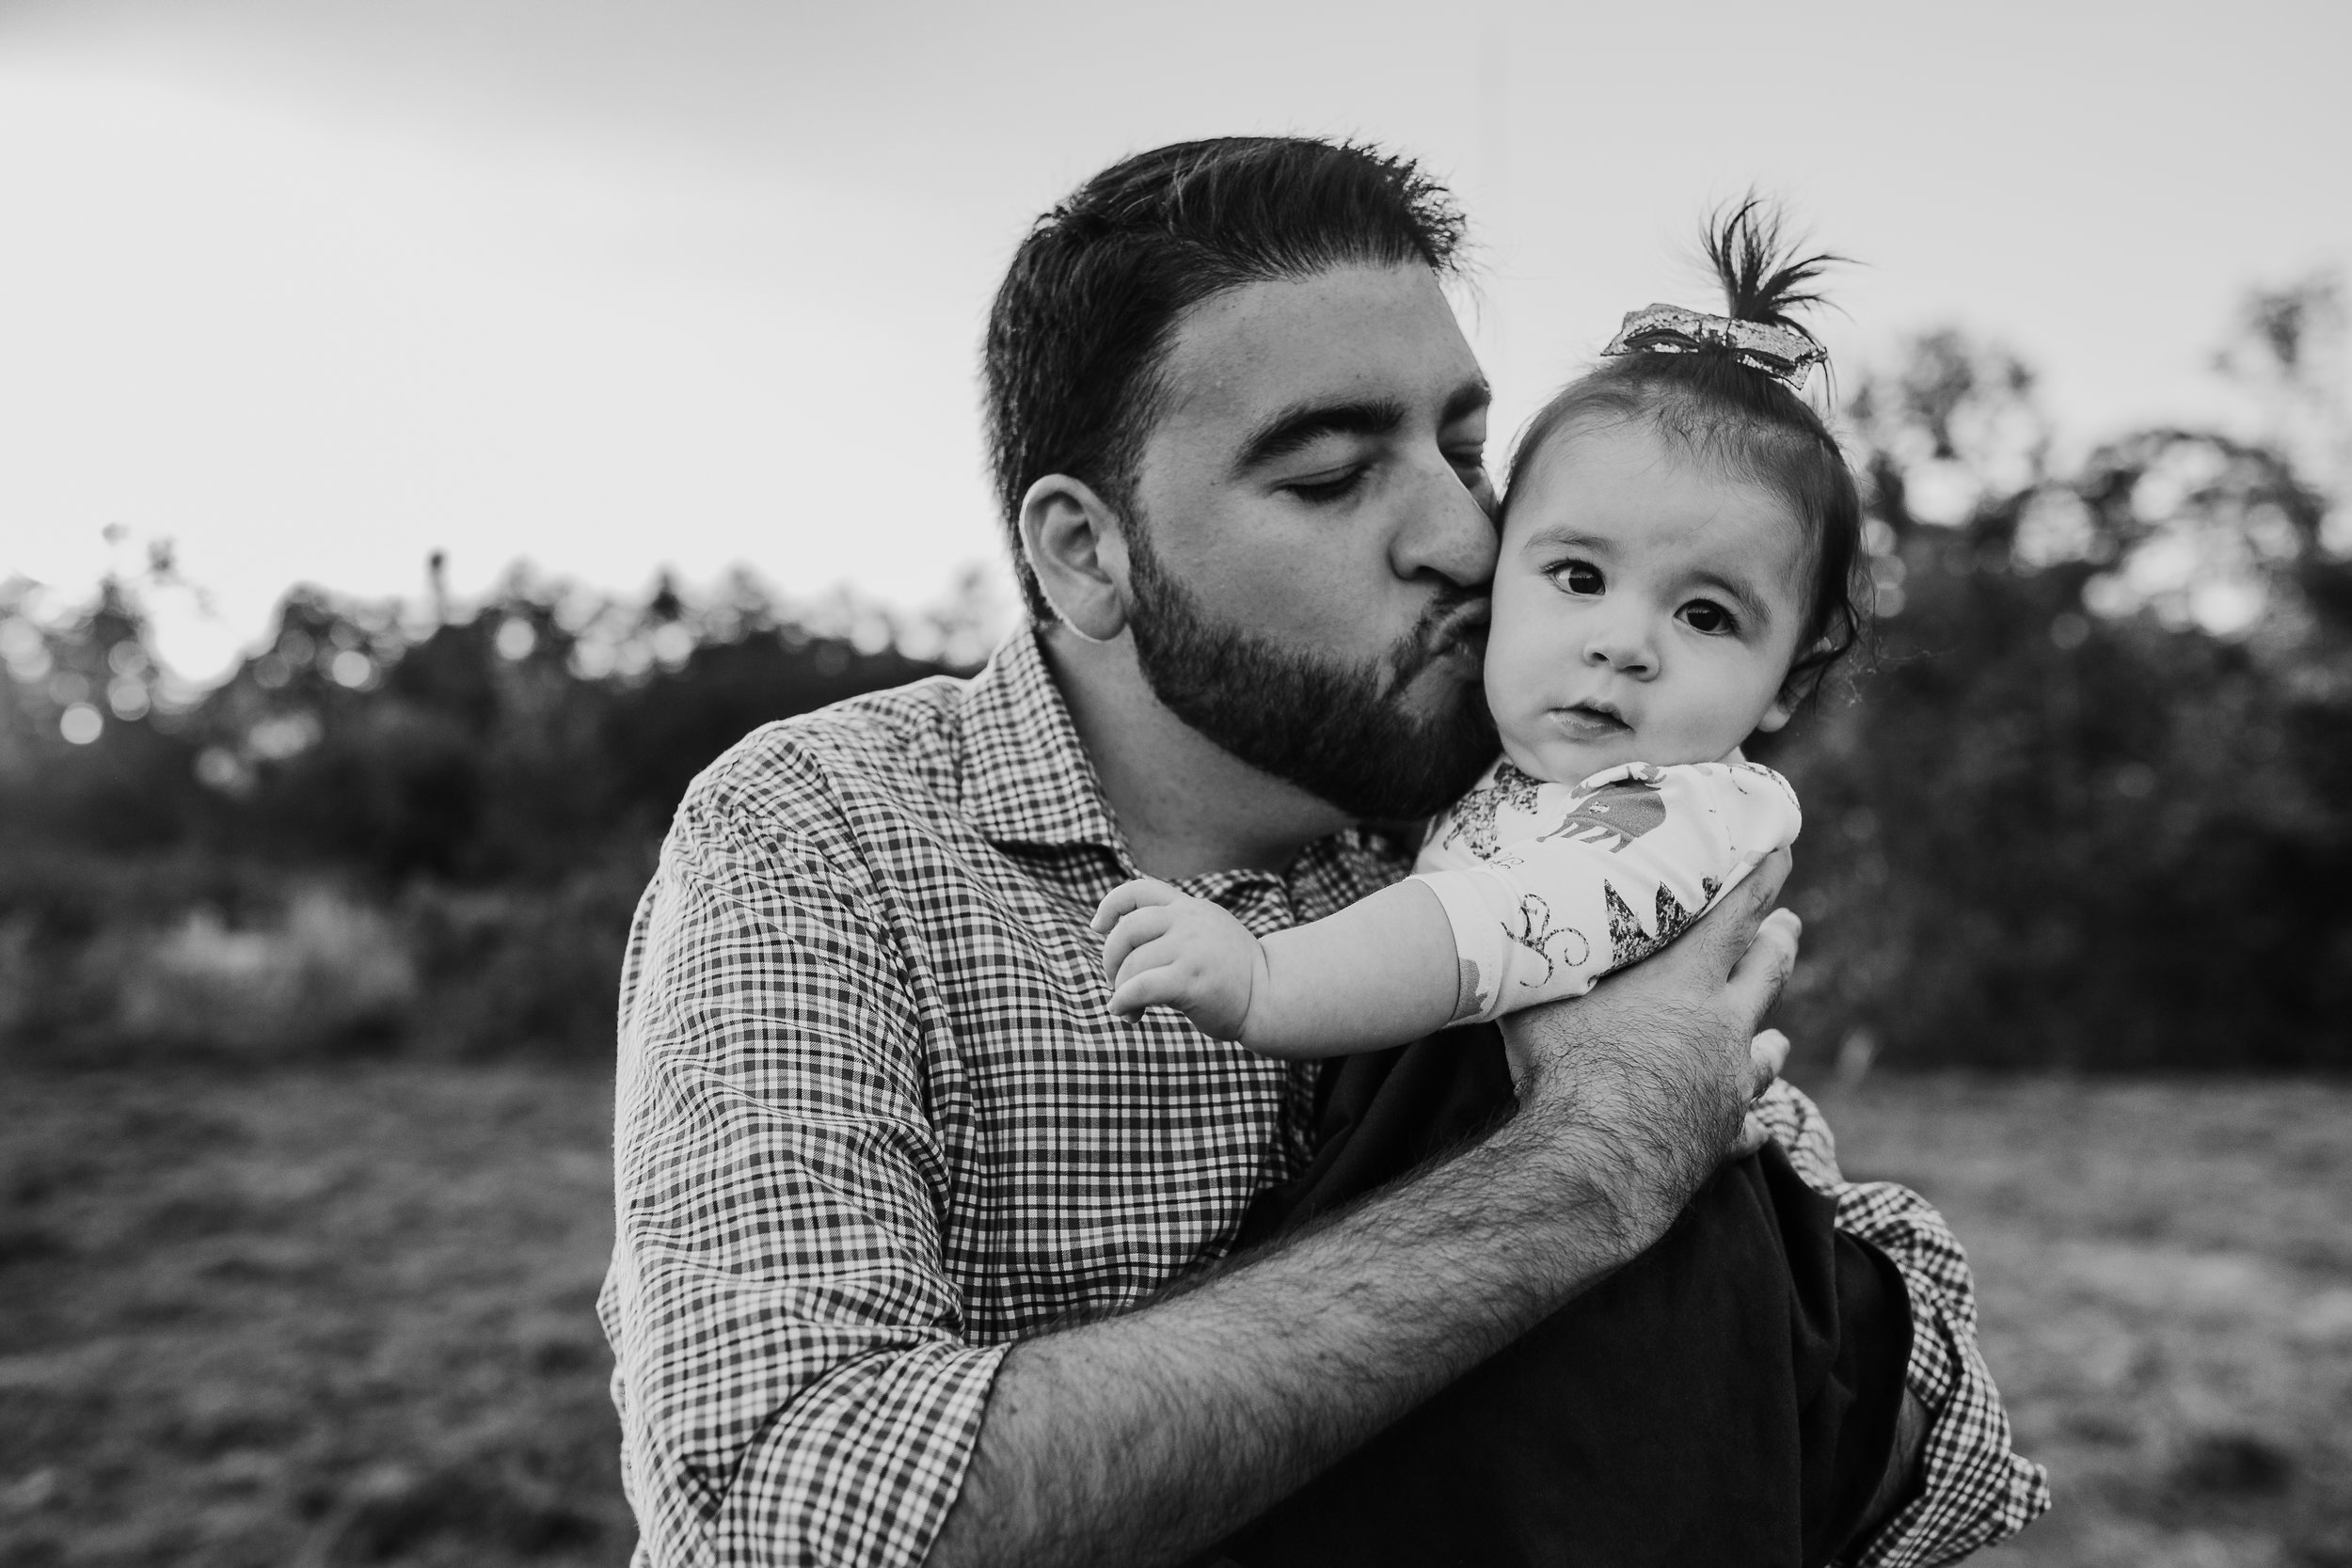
x=1975 y=1489
x=793 y=1381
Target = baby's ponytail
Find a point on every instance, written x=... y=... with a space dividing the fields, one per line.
x=1762 y=281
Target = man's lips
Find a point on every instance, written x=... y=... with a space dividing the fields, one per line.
x=1456 y=640
x=1462 y=631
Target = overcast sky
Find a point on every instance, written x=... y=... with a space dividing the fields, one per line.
x=312 y=287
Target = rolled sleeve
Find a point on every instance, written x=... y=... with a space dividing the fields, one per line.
x=1974 y=1488
x=792 y=1377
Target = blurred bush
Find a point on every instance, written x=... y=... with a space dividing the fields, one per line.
x=528 y=968
x=329 y=970
x=2090 y=807
x=385 y=830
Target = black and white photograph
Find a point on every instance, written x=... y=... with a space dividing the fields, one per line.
x=1229 y=785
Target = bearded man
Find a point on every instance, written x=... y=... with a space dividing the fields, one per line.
x=924 y=1258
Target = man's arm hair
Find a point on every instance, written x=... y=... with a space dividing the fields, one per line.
x=1147 y=1437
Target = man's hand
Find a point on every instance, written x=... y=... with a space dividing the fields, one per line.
x=1662 y=1061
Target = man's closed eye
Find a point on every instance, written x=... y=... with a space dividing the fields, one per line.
x=1327 y=488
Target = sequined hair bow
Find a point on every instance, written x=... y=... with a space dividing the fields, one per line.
x=1778 y=351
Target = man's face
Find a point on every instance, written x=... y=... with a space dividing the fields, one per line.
x=1312 y=541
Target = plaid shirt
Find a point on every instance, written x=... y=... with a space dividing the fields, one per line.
x=874 y=1125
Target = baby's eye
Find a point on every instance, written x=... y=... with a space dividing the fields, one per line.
x=1706 y=616
x=1578 y=577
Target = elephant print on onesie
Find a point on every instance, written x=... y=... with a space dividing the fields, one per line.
x=1617 y=813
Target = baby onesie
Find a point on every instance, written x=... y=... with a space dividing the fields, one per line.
x=1550 y=886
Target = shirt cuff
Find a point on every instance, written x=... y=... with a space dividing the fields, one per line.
x=1973 y=1488
x=863 y=1466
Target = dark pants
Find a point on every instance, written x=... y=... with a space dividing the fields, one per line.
x=1729 y=1397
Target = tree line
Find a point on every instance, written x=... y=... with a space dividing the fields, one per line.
x=2085 y=806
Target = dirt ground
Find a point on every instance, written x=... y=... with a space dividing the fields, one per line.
x=338 y=1316
x=2166 y=1281
x=308 y=1318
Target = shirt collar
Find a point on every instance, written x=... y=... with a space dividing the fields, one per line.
x=1024 y=777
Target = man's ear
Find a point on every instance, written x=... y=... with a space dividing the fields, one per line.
x=1077 y=546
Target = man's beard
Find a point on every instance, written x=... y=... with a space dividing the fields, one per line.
x=1340 y=733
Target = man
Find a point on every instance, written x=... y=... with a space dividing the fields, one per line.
x=901 y=1207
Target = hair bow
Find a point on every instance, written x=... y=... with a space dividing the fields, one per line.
x=1780 y=352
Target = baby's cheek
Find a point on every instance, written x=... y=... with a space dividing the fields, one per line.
x=1545 y=757
x=1518 y=720
x=1500 y=701
x=1514 y=673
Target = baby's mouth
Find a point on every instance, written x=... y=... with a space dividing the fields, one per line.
x=1590 y=721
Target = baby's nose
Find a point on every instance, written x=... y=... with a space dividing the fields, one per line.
x=1627 y=653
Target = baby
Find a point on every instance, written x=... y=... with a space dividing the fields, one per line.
x=1676 y=572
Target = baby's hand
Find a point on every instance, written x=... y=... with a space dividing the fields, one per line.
x=1162 y=948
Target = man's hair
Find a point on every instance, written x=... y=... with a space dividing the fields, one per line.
x=1087 y=310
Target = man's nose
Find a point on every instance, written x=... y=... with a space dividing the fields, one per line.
x=1444 y=530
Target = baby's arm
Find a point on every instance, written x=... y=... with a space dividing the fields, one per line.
x=1377 y=974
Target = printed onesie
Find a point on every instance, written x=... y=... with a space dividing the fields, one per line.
x=1550 y=886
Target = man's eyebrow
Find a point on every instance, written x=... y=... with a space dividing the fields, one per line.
x=1298 y=427
x=1468 y=398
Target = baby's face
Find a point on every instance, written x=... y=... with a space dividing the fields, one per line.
x=1645 y=607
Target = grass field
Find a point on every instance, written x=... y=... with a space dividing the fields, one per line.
x=319 y=1317
x=2166 y=1274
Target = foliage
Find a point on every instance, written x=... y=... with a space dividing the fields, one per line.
x=2092 y=807
x=378 y=831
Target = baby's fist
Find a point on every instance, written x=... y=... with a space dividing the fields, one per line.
x=1162 y=948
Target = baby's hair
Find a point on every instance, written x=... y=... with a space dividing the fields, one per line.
x=1744 y=420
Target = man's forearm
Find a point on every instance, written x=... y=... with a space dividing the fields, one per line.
x=1146 y=1438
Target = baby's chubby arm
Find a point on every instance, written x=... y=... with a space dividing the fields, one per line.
x=1377 y=974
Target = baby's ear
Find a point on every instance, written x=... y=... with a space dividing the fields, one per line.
x=1784 y=703
x=1796 y=687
